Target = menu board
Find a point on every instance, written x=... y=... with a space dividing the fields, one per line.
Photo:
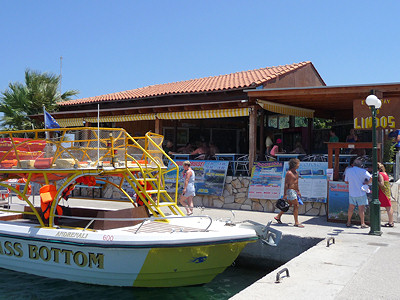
x=266 y=180
x=312 y=180
x=338 y=203
x=209 y=176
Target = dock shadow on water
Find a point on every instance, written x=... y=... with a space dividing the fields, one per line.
x=16 y=285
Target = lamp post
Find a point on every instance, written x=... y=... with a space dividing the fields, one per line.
x=375 y=209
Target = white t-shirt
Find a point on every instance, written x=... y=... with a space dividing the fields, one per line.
x=268 y=142
x=356 y=176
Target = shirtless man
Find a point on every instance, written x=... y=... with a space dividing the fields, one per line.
x=291 y=191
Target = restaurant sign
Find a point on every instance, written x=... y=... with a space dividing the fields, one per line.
x=386 y=116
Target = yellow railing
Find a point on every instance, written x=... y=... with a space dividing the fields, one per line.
x=94 y=152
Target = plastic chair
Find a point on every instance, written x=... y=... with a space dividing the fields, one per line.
x=242 y=164
x=270 y=158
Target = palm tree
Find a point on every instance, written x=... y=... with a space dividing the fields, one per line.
x=20 y=101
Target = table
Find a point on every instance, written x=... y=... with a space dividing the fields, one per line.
x=228 y=156
x=334 y=150
x=181 y=156
x=287 y=156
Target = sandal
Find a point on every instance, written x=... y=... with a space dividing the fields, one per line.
x=364 y=226
x=348 y=225
x=278 y=220
x=388 y=225
x=299 y=225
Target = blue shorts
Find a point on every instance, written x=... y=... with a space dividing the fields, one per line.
x=291 y=194
x=362 y=200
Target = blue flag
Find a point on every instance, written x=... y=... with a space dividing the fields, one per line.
x=49 y=121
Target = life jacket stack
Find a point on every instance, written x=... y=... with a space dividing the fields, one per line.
x=47 y=194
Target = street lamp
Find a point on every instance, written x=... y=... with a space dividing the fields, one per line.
x=375 y=209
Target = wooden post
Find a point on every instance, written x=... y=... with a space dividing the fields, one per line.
x=262 y=139
x=252 y=135
x=158 y=126
x=310 y=139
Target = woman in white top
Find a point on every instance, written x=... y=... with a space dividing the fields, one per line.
x=188 y=188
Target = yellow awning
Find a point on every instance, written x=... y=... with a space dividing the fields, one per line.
x=122 y=118
x=72 y=122
x=286 y=109
x=205 y=114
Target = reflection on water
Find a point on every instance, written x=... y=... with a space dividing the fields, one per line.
x=15 y=285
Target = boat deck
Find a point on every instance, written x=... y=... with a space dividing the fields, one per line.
x=160 y=227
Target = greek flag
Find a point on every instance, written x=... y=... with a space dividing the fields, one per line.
x=49 y=121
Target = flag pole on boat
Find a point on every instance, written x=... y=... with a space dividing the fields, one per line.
x=45 y=122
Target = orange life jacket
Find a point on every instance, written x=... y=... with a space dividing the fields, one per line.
x=47 y=195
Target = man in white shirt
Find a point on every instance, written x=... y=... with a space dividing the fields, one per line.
x=356 y=177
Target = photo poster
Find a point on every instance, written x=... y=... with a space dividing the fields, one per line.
x=338 y=203
x=210 y=176
x=266 y=180
x=312 y=181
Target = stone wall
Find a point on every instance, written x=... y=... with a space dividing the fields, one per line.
x=235 y=197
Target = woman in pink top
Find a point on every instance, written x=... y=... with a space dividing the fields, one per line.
x=275 y=148
x=385 y=193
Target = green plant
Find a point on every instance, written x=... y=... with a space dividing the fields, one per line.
x=388 y=154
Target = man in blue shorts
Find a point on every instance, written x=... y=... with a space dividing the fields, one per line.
x=356 y=177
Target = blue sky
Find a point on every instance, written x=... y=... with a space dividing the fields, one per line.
x=112 y=46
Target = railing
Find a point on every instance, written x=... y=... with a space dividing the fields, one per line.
x=70 y=153
x=91 y=220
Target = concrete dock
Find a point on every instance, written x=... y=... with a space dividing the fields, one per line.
x=356 y=266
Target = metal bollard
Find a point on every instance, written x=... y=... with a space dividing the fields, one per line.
x=330 y=239
x=280 y=272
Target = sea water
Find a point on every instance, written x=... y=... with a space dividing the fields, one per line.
x=16 y=285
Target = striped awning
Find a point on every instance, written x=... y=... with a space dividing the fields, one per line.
x=286 y=109
x=73 y=122
x=205 y=114
x=122 y=118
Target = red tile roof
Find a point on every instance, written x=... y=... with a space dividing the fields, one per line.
x=239 y=80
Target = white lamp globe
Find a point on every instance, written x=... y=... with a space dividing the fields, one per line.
x=373 y=100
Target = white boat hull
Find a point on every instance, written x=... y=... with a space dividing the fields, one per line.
x=112 y=257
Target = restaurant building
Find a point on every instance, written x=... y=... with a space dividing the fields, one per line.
x=215 y=108
x=237 y=111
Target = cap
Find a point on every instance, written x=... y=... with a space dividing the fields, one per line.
x=48 y=193
x=365 y=188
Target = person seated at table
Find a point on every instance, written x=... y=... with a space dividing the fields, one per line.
x=298 y=149
x=268 y=144
x=213 y=149
x=202 y=149
x=276 y=148
x=352 y=137
x=168 y=148
x=186 y=149
x=333 y=137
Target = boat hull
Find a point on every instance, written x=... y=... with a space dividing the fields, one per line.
x=119 y=265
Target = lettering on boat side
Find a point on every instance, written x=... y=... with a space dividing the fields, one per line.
x=78 y=235
x=198 y=260
x=65 y=256
x=68 y=257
